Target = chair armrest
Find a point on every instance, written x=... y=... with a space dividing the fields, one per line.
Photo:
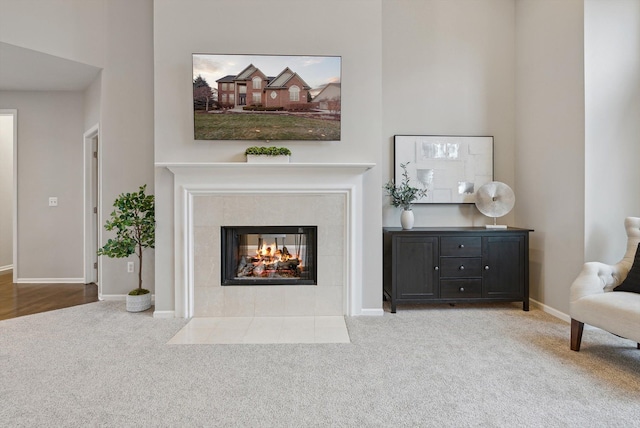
x=597 y=278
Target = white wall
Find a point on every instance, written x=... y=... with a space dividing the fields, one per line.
x=512 y=69
x=49 y=164
x=116 y=35
x=71 y=29
x=353 y=32
x=612 y=146
x=126 y=124
x=92 y=97
x=6 y=190
x=550 y=157
x=449 y=69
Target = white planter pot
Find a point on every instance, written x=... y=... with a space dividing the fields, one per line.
x=138 y=303
x=406 y=219
x=267 y=159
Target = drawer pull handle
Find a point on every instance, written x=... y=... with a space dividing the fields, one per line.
x=461 y=289
x=461 y=267
x=461 y=246
x=486 y=267
x=436 y=268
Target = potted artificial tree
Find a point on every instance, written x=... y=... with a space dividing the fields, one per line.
x=134 y=222
x=403 y=195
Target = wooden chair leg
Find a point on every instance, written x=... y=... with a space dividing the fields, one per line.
x=576 y=334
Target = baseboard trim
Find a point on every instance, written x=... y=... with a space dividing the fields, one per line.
x=50 y=281
x=372 y=312
x=120 y=297
x=551 y=311
x=113 y=297
x=6 y=268
x=164 y=314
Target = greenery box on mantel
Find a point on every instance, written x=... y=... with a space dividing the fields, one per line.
x=267 y=154
x=267 y=159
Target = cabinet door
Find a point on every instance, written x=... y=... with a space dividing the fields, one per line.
x=503 y=266
x=416 y=271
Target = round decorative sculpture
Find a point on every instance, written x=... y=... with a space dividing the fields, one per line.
x=495 y=199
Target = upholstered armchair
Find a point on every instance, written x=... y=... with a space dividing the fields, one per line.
x=594 y=302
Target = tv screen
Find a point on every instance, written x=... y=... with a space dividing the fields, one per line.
x=266 y=97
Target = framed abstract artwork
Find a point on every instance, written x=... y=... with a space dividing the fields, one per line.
x=451 y=168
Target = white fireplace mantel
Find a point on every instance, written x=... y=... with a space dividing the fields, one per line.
x=327 y=167
x=197 y=178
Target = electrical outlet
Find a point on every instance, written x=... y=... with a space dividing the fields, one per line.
x=130 y=267
x=53 y=201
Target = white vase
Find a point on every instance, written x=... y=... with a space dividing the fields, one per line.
x=406 y=219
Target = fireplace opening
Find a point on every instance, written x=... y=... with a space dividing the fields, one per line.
x=264 y=255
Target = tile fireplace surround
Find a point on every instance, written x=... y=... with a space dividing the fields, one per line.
x=210 y=195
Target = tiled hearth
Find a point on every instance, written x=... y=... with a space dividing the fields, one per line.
x=262 y=330
x=208 y=196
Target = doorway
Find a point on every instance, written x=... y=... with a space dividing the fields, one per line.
x=92 y=218
x=8 y=191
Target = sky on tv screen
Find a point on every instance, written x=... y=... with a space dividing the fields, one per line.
x=316 y=71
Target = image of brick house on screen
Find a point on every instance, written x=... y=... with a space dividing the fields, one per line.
x=251 y=86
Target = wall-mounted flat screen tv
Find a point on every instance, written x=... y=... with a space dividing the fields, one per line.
x=266 y=97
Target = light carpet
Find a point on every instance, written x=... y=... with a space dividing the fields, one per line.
x=429 y=366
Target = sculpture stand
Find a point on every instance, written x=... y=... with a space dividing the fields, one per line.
x=496 y=226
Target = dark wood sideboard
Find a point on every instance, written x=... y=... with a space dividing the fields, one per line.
x=455 y=265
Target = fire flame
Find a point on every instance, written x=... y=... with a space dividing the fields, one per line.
x=267 y=255
x=272 y=261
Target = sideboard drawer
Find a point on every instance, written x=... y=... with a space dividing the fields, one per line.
x=460 y=267
x=460 y=288
x=460 y=246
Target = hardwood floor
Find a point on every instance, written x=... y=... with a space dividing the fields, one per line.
x=24 y=299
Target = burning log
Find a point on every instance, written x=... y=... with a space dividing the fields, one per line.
x=272 y=261
x=245 y=271
x=291 y=264
x=258 y=269
x=245 y=268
